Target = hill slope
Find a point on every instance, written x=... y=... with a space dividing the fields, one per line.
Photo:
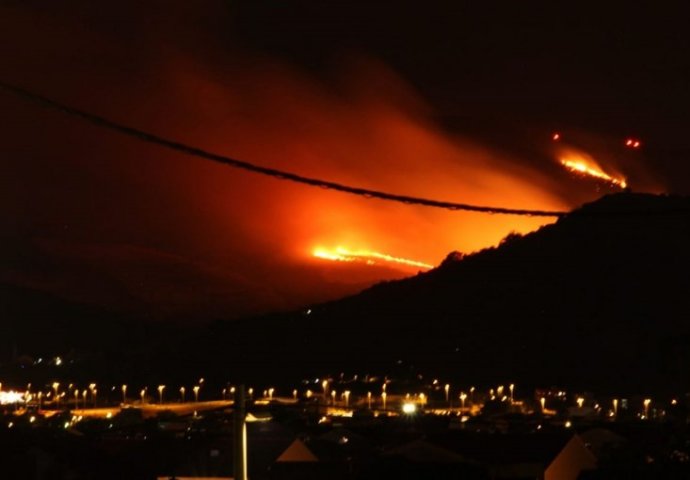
x=600 y=299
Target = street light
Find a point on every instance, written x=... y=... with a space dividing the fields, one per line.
x=383 y=398
x=76 y=399
x=182 y=391
x=142 y=394
x=294 y=394
x=646 y=403
x=447 y=390
x=580 y=402
x=512 y=388
x=615 y=407
x=83 y=394
x=196 y=393
x=92 y=387
x=369 y=400
x=542 y=400
x=270 y=393
x=346 y=394
x=124 y=393
x=463 y=396
x=160 y=393
x=56 y=386
x=333 y=396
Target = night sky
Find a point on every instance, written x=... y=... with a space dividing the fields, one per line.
x=453 y=102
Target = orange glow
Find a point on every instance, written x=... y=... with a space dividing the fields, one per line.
x=556 y=137
x=582 y=165
x=341 y=254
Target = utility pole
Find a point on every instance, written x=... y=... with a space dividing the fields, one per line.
x=240 y=436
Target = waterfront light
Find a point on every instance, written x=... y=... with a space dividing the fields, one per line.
x=409 y=408
x=182 y=392
x=196 y=393
x=160 y=393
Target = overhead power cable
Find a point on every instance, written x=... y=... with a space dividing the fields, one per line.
x=103 y=122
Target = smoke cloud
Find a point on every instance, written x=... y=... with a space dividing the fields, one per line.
x=98 y=217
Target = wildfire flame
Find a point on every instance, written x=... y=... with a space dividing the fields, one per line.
x=590 y=168
x=341 y=254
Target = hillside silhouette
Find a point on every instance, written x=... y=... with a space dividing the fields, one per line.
x=599 y=299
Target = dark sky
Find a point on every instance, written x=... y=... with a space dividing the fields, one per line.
x=456 y=102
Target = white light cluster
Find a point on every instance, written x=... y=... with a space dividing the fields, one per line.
x=10 y=397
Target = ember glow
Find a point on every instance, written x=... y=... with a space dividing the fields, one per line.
x=341 y=254
x=587 y=167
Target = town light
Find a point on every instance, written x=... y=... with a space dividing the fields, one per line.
x=463 y=396
x=409 y=408
x=160 y=393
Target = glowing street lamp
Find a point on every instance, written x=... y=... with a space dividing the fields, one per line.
x=463 y=396
x=182 y=392
x=580 y=402
x=196 y=393
x=83 y=394
x=270 y=393
x=56 y=386
x=142 y=394
x=324 y=384
x=333 y=396
x=369 y=400
x=512 y=389
x=615 y=407
x=646 y=403
x=383 y=399
x=160 y=393
x=346 y=394
x=294 y=394
x=92 y=387
x=124 y=393
x=76 y=399
x=542 y=400
x=447 y=390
